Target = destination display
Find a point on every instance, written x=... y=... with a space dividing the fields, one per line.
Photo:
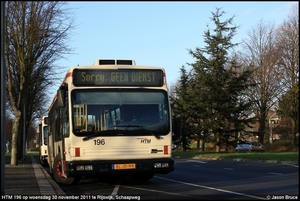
x=122 y=77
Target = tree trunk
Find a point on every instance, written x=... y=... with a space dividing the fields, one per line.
x=294 y=131
x=261 y=129
x=202 y=145
x=14 y=141
x=218 y=143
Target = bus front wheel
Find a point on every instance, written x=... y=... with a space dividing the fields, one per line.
x=58 y=174
x=43 y=161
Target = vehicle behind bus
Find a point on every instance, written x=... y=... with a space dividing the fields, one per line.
x=111 y=118
x=43 y=138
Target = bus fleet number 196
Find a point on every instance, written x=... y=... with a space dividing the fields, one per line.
x=99 y=141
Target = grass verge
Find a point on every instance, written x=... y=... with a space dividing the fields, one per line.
x=28 y=153
x=279 y=156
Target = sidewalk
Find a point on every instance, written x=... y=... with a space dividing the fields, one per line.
x=29 y=178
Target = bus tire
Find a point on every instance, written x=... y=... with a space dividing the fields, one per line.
x=57 y=173
x=43 y=162
x=141 y=177
x=50 y=167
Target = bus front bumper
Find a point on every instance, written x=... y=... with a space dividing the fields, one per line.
x=156 y=166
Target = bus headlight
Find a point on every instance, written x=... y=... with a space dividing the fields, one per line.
x=157 y=165
x=80 y=168
x=88 y=167
x=165 y=165
x=84 y=167
x=161 y=165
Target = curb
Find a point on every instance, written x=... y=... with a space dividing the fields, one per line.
x=47 y=185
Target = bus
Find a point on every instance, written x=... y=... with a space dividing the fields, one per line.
x=43 y=138
x=111 y=118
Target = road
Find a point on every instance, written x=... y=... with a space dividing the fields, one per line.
x=200 y=180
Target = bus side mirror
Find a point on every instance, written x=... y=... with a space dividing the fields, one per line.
x=46 y=120
x=61 y=97
x=177 y=126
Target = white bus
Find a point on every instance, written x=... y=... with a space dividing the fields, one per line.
x=43 y=138
x=111 y=118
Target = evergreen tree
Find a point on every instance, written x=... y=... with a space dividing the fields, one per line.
x=289 y=108
x=218 y=103
x=180 y=107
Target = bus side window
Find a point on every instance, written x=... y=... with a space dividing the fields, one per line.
x=65 y=121
x=57 y=132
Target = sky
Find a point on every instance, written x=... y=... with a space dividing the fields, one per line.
x=158 y=33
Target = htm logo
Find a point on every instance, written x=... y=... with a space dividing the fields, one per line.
x=145 y=140
x=6 y=197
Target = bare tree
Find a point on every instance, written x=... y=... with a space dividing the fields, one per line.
x=36 y=37
x=288 y=48
x=260 y=53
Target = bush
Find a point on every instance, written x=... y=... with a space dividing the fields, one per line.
x=282 y=145
x=34 y=149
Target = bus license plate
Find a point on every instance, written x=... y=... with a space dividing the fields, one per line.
x=124 y=166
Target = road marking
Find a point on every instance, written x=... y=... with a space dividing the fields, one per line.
x=211 y=188
x=274 y=173
x=115 y=191
x=293 y=165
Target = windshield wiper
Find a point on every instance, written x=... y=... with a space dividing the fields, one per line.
x=144 y=129
x=152 y=133
x=96 y=134
x=91 y=136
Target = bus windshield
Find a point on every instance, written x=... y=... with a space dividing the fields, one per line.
x=120 y=110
